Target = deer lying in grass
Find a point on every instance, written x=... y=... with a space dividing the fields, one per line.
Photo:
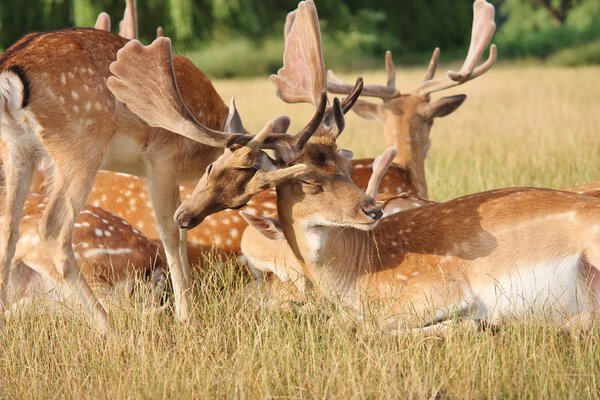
x=112 y=254
x=499 y=254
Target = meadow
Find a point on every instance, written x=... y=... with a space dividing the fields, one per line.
x=520 y=126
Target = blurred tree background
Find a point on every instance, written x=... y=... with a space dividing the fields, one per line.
x=244 y=37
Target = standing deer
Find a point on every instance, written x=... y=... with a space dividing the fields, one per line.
x=492 y=255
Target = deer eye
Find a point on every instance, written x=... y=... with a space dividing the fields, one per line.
x=311 y=187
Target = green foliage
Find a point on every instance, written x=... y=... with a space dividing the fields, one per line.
x=244 y=36
x=531 y=31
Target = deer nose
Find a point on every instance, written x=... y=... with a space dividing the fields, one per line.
x=185 y=220
x=374 y=212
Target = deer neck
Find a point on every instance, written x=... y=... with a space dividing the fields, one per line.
x=334 y=258
x=411 y=139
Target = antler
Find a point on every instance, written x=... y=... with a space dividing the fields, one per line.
x=103 y=22
x=155 y=97
x=380 y=167
x=481 y=34
x=128 y=27
x=385 y=92
x=302 y=77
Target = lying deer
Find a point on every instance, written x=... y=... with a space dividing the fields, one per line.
x=112 y=253
x=407 y=118
x=492 y=255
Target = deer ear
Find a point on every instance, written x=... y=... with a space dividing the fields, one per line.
x=281 y=124
x=234 y=121
x=366 y=110
x=268 y=227
x=346 y=154
x=445 y=106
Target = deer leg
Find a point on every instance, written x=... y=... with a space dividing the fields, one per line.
x=18 y=171
x=164 y=193
x=56 y=230
x=183 y=254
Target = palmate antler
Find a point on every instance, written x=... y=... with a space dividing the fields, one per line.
x=302 y=77
x=155 y=98
x=481 y=34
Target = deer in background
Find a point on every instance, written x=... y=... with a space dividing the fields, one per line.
x=407 y=118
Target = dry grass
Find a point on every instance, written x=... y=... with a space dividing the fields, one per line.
x=518 y=127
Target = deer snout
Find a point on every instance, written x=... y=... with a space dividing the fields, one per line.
x=186 y=220
x=372 y=210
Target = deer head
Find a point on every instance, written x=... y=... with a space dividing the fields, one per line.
x=407 y=118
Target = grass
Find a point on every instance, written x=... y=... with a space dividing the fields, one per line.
x=519 y=126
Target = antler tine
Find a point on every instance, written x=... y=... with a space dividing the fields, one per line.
x=155 y=97
x=481 y=34
x=128 y=26
x=160 y=31
x=355 y=92
x=433 y=64
x=260 y=137
x=103 y=22
x=288 y=147
x=380 y=167
x=391 y=70
x=302 y=77
x=336 y=85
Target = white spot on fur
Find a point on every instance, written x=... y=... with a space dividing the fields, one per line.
x=98 y=232
x=63 y=79
x=74 y=95
x=106 y=252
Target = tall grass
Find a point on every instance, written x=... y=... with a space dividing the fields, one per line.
x=528 y=126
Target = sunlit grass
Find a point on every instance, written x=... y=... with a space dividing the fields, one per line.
x=518 y=127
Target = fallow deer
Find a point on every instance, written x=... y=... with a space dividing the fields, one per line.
x=492 y=255
x=112 y=253
x=267 y=252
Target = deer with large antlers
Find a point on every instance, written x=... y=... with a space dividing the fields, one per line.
x=407 y=118
x=503 y=253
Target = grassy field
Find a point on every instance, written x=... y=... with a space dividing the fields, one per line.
x=519 y=126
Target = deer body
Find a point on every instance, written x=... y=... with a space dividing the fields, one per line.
x=488 y=256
